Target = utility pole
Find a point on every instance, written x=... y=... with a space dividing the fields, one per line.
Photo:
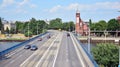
x=28 y=31
x=119 y=51
x=37 y=28
x=89 y=41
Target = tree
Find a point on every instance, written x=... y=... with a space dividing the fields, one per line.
x=55 y=23
x=71 y=25
x=7 y=30
x=106 y=54
x=28 y=33
x=113 y=25
x=101 y=25
x=1 y=25
x=19 y=27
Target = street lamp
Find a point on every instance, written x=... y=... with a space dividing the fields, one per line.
x=89 y=36
x=119 y=51
x=37 y=28
x=105 y=35
x=28 y=31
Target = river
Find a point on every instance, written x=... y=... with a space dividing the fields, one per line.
x=6 y=45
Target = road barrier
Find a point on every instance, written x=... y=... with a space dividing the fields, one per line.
x=88 y=54
x=2 y=53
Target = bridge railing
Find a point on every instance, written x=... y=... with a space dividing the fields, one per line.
x=2 y=53
x=88 y=54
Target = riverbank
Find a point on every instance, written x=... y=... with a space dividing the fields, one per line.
x=96 y=40
x=14 y=38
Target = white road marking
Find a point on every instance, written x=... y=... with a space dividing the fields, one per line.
x=77 y=52
x=56 y=54
x=37 y=65
x=67 y=60
x=28 y=59
x=12 y=61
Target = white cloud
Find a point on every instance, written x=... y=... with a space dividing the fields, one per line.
x=54 y=9
x=6 y=3
x=20 y=11
x=24 y=2
x=95 y=6
x=33 y=5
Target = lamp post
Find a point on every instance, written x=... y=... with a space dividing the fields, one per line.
x=28 y=31
x=119 y=51
x=105 y=35
x=37 y=28
x=89 y=36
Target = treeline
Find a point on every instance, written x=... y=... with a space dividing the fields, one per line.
x=34 y=27
x=112 y=25
x=59 y=24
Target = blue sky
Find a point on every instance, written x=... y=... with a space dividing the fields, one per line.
x=23 y=10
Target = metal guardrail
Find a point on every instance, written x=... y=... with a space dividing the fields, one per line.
x=88 y=54
x=2 y=53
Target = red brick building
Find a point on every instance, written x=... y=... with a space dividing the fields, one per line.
x=118 y=18
x=81 y=27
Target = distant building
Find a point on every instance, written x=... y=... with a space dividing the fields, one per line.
x=81 y=26
x=118 y=18
x=9 y=25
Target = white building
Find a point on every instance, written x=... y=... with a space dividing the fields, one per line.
x=9 y=25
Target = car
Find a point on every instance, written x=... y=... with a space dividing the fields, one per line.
x=40 y=39
x=33 y=48
x=48 y=36
x=27 y=47
x=68 y=34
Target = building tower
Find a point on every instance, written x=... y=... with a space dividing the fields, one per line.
x=79 y=23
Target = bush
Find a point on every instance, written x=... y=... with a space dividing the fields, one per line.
x=106 y=54
x=28 y=34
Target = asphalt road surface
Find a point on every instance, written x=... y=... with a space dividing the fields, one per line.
x=57 y=51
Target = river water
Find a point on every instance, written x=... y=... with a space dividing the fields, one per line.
x=5 y=45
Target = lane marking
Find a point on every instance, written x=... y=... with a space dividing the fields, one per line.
x=30 y=57
x=37 y=65
x=57 y=52
x=12 y=61
x=77 y=52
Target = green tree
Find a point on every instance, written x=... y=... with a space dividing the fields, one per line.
x=55 y=23
x=28 y=33
x=1 y=25
x=65 y=26
x=7 y=30
x=19 y=27
x=101 y=25
x=106 y=54
x=113 y=25
x=71 y=25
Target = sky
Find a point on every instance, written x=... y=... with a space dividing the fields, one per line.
x=24 y=10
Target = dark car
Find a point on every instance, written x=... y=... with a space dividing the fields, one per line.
x=33 y=48
x=68 y=34
x=40 y=39
x=27 y=47
x=48 y=36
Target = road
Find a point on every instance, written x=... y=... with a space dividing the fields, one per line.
x=58 y=51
